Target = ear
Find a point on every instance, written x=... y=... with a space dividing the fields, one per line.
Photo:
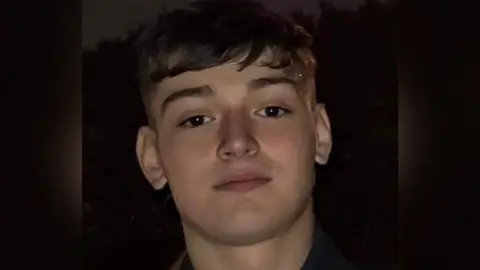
x=149 y=158
x=323 y=143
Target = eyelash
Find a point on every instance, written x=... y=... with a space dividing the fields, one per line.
x=285 y=111
x=184 y=123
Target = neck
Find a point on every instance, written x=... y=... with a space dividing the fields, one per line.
x=288 y=250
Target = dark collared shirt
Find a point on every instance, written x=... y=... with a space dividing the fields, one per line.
x=323 y=255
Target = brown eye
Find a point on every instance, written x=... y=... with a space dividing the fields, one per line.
x=273 y=111
x=195 y=121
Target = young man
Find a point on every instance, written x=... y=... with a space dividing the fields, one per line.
x=235 y=131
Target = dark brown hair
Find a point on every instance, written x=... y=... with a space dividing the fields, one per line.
x=213 y=32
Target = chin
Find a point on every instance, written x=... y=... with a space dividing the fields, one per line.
x=245 y=229
x=248 y=226
x=245 y=236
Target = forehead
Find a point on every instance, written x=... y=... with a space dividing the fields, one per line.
x=226 y=74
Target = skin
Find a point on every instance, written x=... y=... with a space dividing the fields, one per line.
x=274 y=129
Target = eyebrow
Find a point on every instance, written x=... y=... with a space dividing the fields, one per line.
x=260 y=83
x=200 y=91
x=206 y=90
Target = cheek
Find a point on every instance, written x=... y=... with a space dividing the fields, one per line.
x=290 y=149
x=185 y=158
x=280 y=145
x=182 y=170
x=189 y=145
x=292 y=163
x=286 y=138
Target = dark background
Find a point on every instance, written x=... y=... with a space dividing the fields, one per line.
x=356 y=194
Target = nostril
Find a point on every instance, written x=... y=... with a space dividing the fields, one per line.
x=228 y=154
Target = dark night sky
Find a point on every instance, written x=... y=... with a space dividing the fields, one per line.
x=111 y=18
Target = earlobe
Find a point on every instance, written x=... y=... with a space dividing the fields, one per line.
x=323 y=143
x=159 y=183
x=149 y=159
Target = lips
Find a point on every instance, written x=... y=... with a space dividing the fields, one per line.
x=242 y=182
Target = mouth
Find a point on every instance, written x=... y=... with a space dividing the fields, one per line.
x=242 y=182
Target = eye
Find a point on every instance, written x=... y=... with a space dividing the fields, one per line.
x=195 y=121
x=273 y=111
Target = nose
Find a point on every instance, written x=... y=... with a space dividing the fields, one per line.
x=237 y=140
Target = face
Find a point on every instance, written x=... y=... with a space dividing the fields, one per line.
x=237 y=149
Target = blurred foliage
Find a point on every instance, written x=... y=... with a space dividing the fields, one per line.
x=356 y=194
